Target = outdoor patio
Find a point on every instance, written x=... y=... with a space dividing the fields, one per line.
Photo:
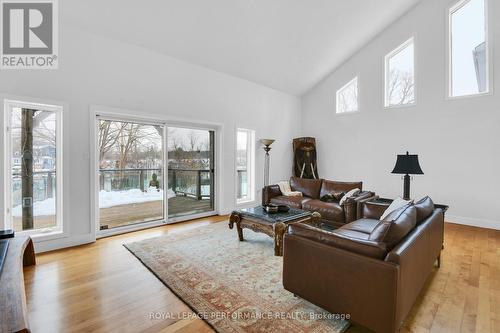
x=150 y=211
x=133 y=213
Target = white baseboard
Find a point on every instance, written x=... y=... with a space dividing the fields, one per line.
x=60 y=243
x=481 y=223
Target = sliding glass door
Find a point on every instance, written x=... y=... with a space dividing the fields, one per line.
x=131 y=173
x=190 y=172
x=132 y=185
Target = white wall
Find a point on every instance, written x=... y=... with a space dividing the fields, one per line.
x=98 y=71
x=458 y=141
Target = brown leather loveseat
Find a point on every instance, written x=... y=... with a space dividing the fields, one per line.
x=371 y=269
x=312 y=191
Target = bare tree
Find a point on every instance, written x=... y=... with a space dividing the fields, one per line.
x=109 y=133
x=193 y=141
x=128 y=139
x=407 y=86
x=348 y=99
x=41 y=130
x=401 y=87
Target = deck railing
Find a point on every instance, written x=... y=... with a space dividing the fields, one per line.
x=44 y=184
x=188 y=182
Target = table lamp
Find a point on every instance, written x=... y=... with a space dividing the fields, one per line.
x=407 y=165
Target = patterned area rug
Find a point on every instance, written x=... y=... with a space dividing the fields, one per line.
x=235 y=286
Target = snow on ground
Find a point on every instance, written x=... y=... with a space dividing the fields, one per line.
x=116 y=198
x=106 y=200
x=40 y=208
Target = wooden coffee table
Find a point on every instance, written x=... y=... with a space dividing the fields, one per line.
x=272 y=224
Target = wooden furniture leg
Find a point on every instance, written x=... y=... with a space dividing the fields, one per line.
x=279 y=231
x=235 y=218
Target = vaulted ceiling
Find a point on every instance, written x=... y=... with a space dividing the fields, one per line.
x=288 y=45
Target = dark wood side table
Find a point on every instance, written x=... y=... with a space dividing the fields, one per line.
x=389 y=201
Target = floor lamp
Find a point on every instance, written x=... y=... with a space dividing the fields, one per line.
x=267 y=147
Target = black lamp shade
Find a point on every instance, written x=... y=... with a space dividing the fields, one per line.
x=407 y=165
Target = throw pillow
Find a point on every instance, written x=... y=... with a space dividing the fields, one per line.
x=338 y=195
x=286 y=190
x=284 y=186
x=402 y=221
x=327 y=198
x=395 y=205
x=380 y=231
x=332 y=197
x=425 y=207
x=349 y=194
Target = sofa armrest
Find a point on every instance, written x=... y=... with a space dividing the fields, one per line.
x=373 y=210
x=416 y=256
x=352 y=206
x=269 y=192
x=342 y=282
x=331 y=238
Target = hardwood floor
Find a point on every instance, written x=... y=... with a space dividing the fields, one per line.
x=101 y=287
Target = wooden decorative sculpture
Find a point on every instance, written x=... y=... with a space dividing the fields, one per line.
x=304 y=158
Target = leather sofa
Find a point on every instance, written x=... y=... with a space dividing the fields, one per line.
x=312 y=190
x=370 y=269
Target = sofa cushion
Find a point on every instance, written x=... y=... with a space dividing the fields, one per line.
x=362 y=225
x=395 y=205
x=425 y=207
x=379 y=233
x=294 y=202
x=308 y=187
x=352 y=193
x=351 y=233
x=329 y=186
x=338 y=240
x=402 y=221
x=328 y=210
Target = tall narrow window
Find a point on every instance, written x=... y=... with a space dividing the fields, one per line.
x=347 y=97
x=33 y=160
x=468 y=49
x=245 y=165
x=400 y=75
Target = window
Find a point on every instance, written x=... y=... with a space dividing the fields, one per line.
x=131 y=173
x=191 y=171
x=468 y=49
x=400 y=75
x=245 y=165
x=33 y=164
x=347 y=97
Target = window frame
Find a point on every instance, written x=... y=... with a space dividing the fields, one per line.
x=387 y=59
x=60 y=229
x=250 y=173
x=339 y=91
x=450 y=10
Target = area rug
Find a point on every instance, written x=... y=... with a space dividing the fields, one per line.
x=234 y=286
